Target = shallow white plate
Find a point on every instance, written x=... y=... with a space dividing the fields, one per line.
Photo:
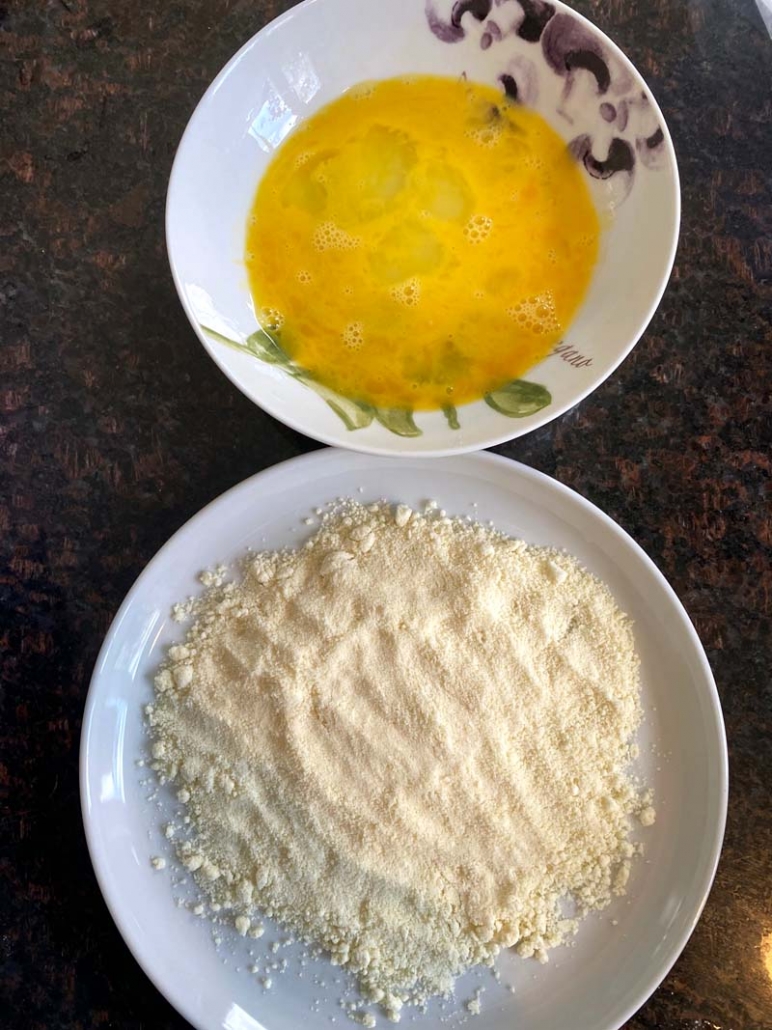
x=558 y=63
x=619 y=956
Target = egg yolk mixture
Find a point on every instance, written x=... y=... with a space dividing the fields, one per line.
x=420 y=242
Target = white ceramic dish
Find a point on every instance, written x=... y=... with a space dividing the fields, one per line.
x=556 y=62
x=596 y=984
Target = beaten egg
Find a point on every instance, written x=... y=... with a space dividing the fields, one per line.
x=420 y=242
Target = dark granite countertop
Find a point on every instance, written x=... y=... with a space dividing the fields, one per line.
x=115 y=427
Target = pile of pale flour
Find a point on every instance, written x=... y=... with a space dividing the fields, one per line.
x=408 y=741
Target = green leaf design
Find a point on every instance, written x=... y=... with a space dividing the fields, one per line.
x=398 y=420
x=451 y=415
x=353 y=414
x=259 y=345
x=519 y=398
x=233 y=344
x=515 y=400
x=263 y=346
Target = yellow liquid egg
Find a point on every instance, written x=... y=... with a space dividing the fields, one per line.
x=420 y=242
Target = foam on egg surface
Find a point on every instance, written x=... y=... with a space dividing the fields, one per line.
x=419 y=242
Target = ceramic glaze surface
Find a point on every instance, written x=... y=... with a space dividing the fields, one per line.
x=560 y=67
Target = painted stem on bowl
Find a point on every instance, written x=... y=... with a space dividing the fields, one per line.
x=515 y=399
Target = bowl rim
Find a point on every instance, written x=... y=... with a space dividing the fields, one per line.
x=310 y=461
x=393 y=449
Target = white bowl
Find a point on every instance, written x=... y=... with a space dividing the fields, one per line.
x=618 y=956
x=557 y=63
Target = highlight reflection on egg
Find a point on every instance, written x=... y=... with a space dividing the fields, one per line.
x=420 y=242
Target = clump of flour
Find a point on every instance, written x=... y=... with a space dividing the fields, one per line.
x=409 y=742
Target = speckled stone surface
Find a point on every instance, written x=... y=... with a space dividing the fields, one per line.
x=115 y=427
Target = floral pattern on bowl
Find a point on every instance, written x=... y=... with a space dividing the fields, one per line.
x=619 y=130
x=538 y=53
x=515 y=399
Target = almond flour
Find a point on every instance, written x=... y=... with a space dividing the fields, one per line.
x=409 y=741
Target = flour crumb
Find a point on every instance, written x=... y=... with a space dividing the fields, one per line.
x=556 y=572
x=366 y=1019
x=474 y=1005
x=402 y=515
x=647 y=816
x=158 y=863
x=336 y=704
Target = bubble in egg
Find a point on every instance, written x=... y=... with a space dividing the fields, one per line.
x=431 y=238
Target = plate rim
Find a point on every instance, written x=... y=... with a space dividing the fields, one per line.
x=328 y=455
x=344 y=443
